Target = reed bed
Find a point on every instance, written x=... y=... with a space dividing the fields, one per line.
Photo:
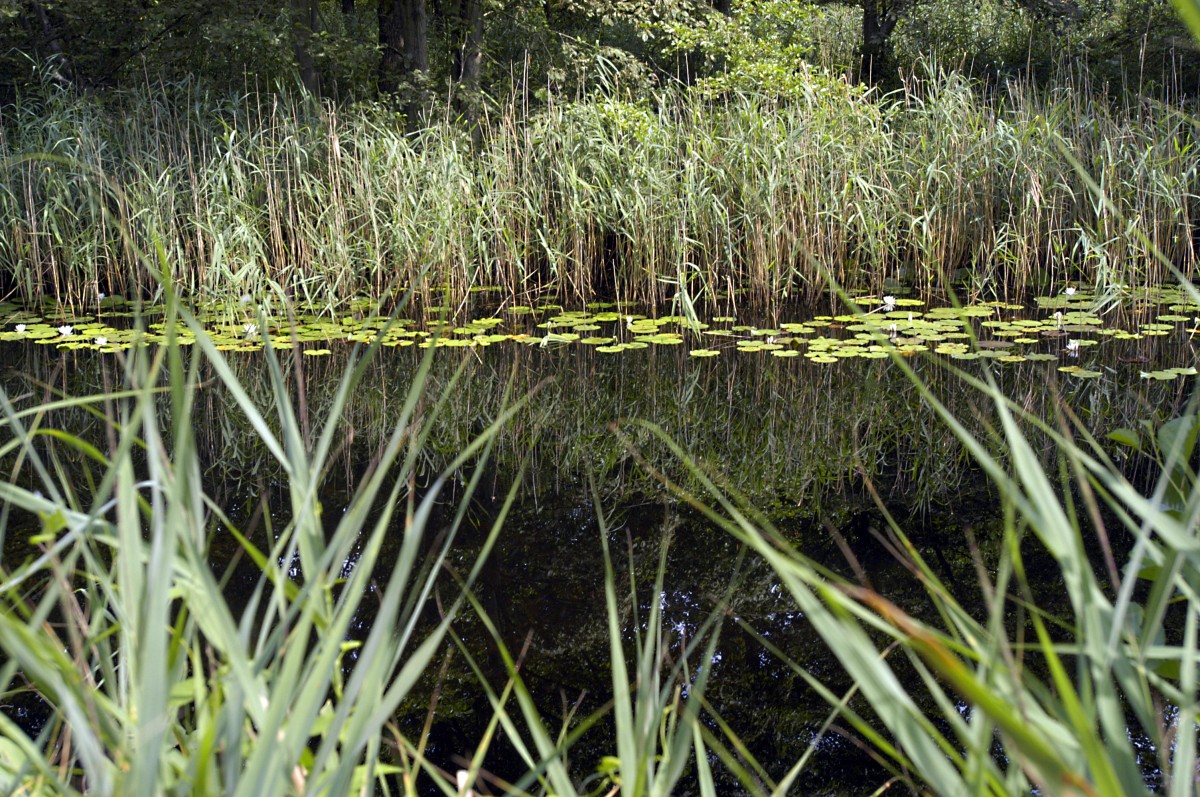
x=276 y=195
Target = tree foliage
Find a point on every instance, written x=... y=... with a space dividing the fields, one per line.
x=760 y=45
x=423 y=51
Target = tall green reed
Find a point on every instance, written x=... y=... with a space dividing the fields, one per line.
x=153 y=680
x=658 y=679
x=1095 y=694
x=644 y=198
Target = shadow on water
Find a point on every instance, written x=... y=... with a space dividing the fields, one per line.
x=805 y=443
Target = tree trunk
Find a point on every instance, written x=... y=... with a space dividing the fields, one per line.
x=467 y=40
x=304 y=23
x=404 y=40
x=52 y=37
x=404 y=46
x=468 y=47
x=879 y=20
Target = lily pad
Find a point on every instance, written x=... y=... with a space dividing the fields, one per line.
x=1079 y=373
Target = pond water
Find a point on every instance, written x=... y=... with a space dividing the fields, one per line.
x=806 y=416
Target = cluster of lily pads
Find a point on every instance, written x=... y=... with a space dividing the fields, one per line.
x=1060 y=327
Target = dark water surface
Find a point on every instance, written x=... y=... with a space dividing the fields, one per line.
x=805 y=442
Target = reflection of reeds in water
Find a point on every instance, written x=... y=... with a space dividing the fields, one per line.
x=786 y=434
x=264 y=193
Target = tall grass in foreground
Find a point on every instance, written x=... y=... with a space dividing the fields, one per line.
x=267 y=194
x=157 y=685
x=1009 y=695
x=153 y=682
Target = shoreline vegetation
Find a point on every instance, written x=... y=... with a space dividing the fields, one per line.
x=946 y=183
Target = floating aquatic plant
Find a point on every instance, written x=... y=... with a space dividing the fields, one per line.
x=996 y=330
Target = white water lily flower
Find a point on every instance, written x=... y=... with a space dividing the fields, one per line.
x=66 y=329
x=1072 y=345
x=101 y=295
x=1069 y=290
x=251 y=330
x=889 y=303
x=101 y=341
x=20 y=327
